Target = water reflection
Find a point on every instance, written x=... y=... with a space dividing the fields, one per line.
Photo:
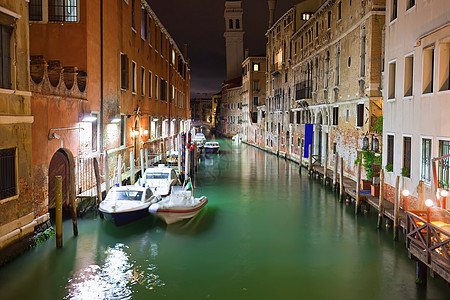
x=200 y=223
x=115 y=278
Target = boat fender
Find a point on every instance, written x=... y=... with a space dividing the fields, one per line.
x=153 y=208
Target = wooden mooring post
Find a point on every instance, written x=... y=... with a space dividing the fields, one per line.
x=58 y=218
x=396 y=208
x=335 y=172
x=142 y=163
x=132 y=167
x=98 y=180
x=325 y=167
x=358 y=189
x=341 y=180
x=310 y=160
x=146 y=158
x=107 y=181
x=381 y=201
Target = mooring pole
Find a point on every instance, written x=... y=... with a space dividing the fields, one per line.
x=146 y=158
x=310 y=160
x=325 y=167
x=142 y=163
x=132 y=167
x=58 y=200
x=107 y=181
x=119 y=170
x=341 y=180
x=381 y=201
x=421 y=273
x=396 y=207
x=73 y=205
x=358 y=189
x=335 y=172
x=98 y=181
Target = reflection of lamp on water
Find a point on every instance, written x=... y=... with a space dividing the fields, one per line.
x=444 y=194
x=405 y=194
x=429 y=204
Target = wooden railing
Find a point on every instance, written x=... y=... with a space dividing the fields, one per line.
x=316 y=160
x=428 y=241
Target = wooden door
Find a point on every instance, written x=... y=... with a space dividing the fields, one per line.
x=59 y=166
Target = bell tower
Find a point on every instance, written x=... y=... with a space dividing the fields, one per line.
x=272 y=4
x=234 y=38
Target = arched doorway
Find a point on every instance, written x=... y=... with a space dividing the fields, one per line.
x=61 y=164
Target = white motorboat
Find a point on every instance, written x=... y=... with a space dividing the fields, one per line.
x=212 y=147
x=180 y=205
x=159 y=179
x=237 y=138
x=199 y=139
x=124 y=204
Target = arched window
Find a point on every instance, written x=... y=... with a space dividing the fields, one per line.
x=237 y=24
x=230 y=23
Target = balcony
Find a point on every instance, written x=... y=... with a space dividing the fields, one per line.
x=303 y=90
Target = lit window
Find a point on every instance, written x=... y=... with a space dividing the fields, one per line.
x=444 y=65
x=409 y=69
x=391 y=87
x=256 y=67
x=428 y=70
x=306 y=16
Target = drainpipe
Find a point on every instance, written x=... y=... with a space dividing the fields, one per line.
x=101 y=76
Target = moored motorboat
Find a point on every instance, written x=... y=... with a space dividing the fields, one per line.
x=180 y=205
x=159 y=179
x=212 y=147
x=199 y=139
x=124 y=204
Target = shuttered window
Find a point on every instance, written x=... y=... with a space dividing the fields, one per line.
x=5 y=56
x=360 y=115
x=124 y=71
x=7 y=173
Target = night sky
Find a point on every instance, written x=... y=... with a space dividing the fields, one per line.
x=200 y=24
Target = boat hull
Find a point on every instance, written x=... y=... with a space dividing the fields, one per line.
x=175 y=214
x=211 y=149
x=122 y=218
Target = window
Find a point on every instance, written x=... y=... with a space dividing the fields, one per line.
x=347 y=115
x=327 y=69
x=426 y=161
x=35 y=10
x=94 y=132
x=394 y=10
x=362 y=72
x=122 y=130
x=335 y=115
x=444 y=65
x=62 y=11
x=406 y=156
x=391 y=87
x=255 y=101
x=149 y=84
x=7 y=173
x=329 y=20
x=133 y=78
x=142 y=81
x=163 y=89
x=256 y=87
x=161 y=49
x=143 y=23
x=5 y=56
x=124 y=82
x=409 y=71
x=230 y=24
x=339 y=12
x=256 y=67
x=360 y=115
x=317 y=29
x=428 y=70
x=306 y=16
x=149 y=30
x=237 y=24
x=132 y=14
x=390 y=149
x=338 y=58
x=443 y=167
x=410 y=4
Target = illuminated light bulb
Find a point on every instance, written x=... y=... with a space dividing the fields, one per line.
x=444 y=193
x=405 y=193
x=429 y=203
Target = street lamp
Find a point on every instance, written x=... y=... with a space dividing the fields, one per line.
x=375 y=144
x=365 y=143
x=444 y=194
x=406 y=194
x=429 y=204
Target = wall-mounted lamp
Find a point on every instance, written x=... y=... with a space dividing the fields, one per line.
x=89 y=118
x=375 y=144
x=365 y=143
x=145 y=131
x=115 y=120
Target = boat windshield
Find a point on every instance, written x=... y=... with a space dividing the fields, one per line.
x=127 y=195
x=157 y=175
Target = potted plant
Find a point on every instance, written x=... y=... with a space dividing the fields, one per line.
x=368 y=158
x=389 y=167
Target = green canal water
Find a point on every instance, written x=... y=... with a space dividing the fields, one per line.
x=266 y=233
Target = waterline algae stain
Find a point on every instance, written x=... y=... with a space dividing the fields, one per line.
x=266 y=233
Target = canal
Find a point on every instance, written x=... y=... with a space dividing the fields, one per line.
x=266 y=233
